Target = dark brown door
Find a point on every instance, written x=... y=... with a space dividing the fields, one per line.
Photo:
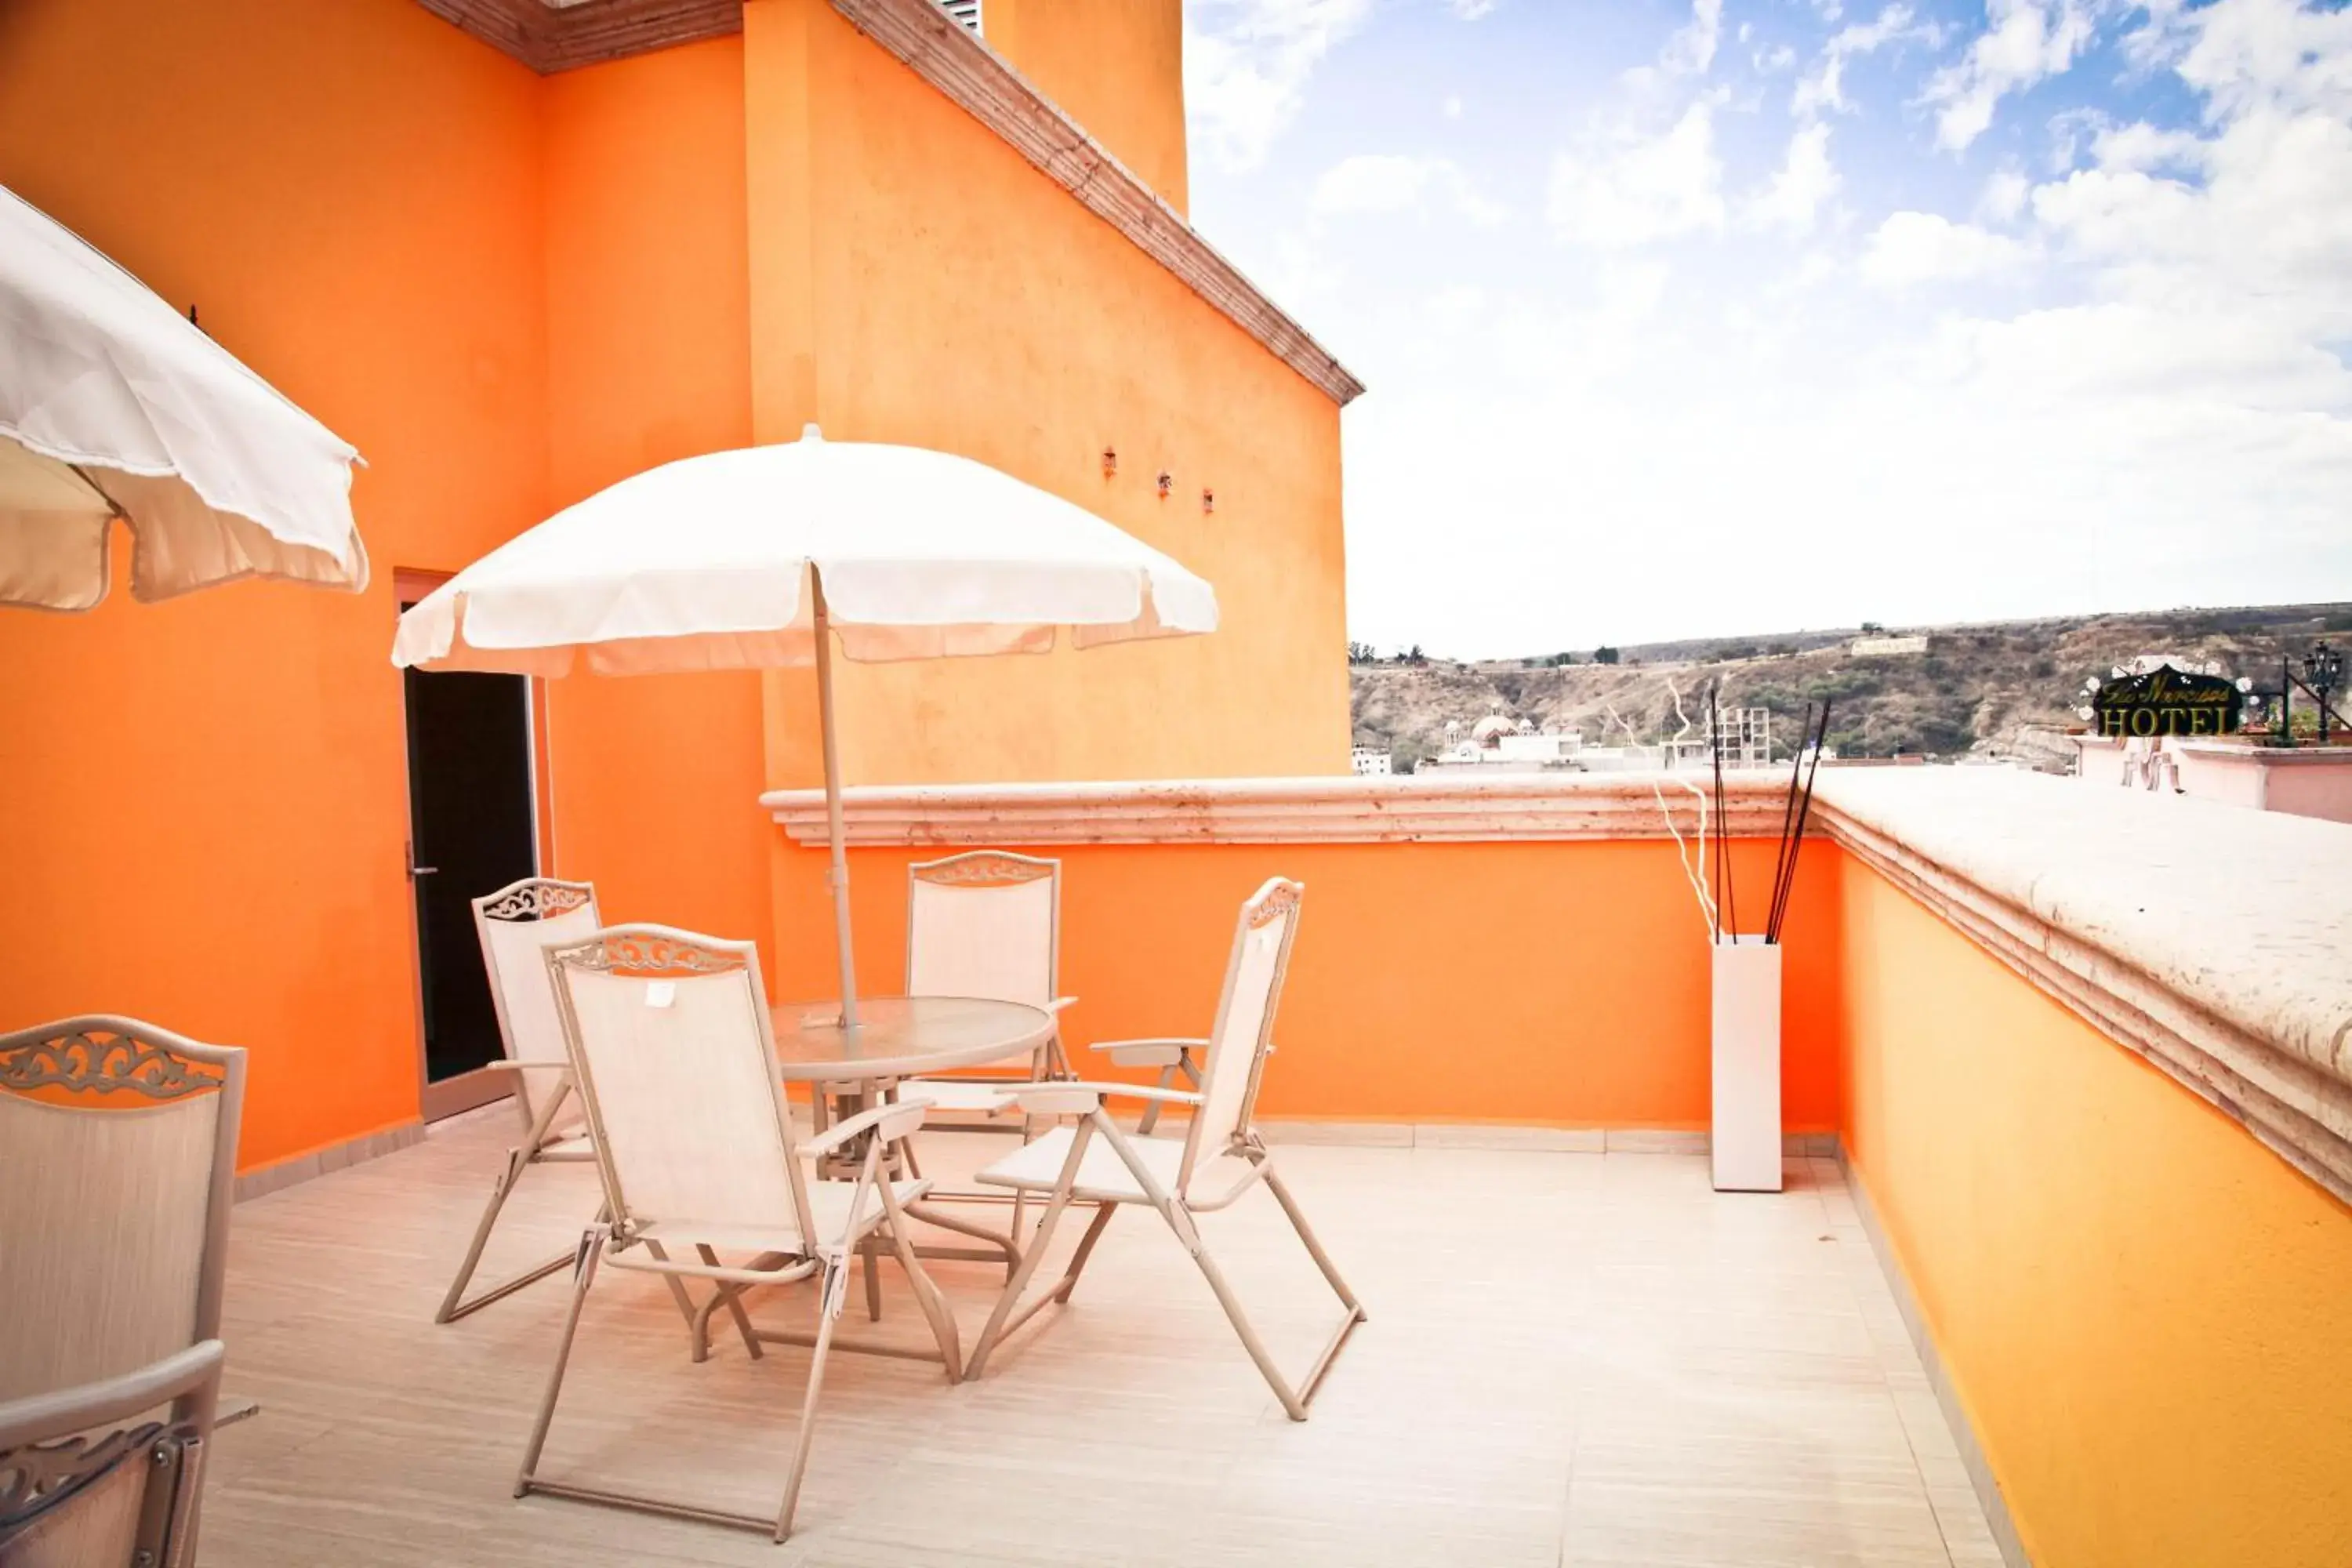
x=471 y=832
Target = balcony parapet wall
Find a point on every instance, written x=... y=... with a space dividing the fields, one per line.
x=2211 y=938
x=2208 y=938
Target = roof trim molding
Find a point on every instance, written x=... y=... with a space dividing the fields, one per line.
x=946 y=54
x=551 y=38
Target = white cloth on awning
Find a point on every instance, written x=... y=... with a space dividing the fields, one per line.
x=111 y=400
x=703 y=564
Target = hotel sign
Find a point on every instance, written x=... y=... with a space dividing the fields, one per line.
x=2166 y=701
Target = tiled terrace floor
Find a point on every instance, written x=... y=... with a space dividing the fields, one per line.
x=1571 y=1359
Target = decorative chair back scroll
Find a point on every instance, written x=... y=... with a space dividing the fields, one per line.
x=120 y=1143
x=515 y=925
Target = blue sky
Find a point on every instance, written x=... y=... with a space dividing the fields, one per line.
x=1709 y=316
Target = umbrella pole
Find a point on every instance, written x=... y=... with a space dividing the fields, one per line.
x=838 y=876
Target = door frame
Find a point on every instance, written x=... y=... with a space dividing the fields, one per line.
x=467 y=1090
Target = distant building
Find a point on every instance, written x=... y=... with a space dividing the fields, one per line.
x=1886 y=647
x=1369 y=759
x=1502 y=744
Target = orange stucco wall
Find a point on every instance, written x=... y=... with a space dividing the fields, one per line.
x=914 y=282
x=2144 y=1310
x=649 y=360
x=202 y=803
x=1559 y=984
x=508 y=291
x=1116 y=66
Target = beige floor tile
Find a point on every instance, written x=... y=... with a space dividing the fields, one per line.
x=1571 y=1357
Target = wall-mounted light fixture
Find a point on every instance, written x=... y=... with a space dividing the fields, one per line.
x=1208 y=500
x=1110 y=461
x=1167 y=483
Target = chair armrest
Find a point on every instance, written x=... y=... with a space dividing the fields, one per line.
x=1058 y=1003
x=39 y=1416
x=507 y=1064
x=1152 y=1053
x=1063 y=1099
x=888 y=1122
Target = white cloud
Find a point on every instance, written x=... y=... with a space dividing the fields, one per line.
x=1911 y=248
x=1453 y=106
x=2125 y=383
x=2005 y=195
x=1470 y=10
x=1246 y=66
x=1692 y=48
x=1378 y=183
x=1631 y=190
x=1824 y=87
x=2027 y=40
x=1805 y=183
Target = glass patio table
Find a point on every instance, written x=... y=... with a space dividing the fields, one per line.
x=900 y=1037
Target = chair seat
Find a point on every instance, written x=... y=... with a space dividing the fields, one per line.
x=959 y=1093
x=828 y=1206
x=1103 y=1176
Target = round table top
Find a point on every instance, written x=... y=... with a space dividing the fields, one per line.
x=902 y=1036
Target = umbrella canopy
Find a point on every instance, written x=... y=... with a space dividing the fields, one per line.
x=114 y=405
x=758 y=557
x=704 y=565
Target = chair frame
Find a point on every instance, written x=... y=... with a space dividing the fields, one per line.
x=1178 y=1207
x=869 y=1138
x=42 y=1466
x=542 y=897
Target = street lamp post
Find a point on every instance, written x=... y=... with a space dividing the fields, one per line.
x=2323 y=672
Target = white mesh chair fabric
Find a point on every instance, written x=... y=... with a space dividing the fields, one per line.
x=984 y=924
x=121 y=1145
x=675 y=1060
x=1220 y=1159
x=692 y=1128
x=1241 y=1037
x=515 y=925
x=102 y=1238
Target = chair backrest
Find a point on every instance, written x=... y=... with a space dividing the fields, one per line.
x=74 y=1494
x=515 y=925
x=985 y=924
x=121 y=1145
x=1235 y=1060
x=670 y=1040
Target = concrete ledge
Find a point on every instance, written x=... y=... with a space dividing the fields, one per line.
x=1406 y=808
x=1955 y=1416
x=270 y=1178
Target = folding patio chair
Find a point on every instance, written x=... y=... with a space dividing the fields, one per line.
x=515 y=925
x=674 y=1057
x=987 y=924
x=122 y=1145
x=1219 y=1159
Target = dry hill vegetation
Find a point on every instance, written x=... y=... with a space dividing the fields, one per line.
x=2005 y=689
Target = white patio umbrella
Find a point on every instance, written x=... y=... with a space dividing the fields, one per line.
x=114 y=405
x=761 y=557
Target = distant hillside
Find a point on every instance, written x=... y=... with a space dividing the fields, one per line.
x=2005 y=689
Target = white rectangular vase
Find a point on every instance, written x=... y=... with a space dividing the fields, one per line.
x=1747 y=1128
